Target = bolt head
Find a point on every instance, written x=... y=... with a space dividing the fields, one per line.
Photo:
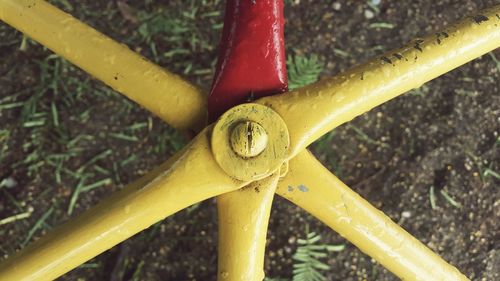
x=248 y=139
x=250 y=159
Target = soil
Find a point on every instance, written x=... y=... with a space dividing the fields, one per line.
x=444 y=135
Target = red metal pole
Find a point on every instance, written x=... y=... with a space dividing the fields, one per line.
x=252 y=60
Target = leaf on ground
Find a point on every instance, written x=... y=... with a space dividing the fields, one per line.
x=127 y=12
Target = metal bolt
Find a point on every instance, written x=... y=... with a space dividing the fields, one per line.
x=248 y=139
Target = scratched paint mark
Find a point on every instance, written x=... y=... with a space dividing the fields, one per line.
x=303 y=188
x=498 y=16
x=398 y=56
x=478 y=19
x=290 y=188
x=386 y=59
x=417 y=46
x=440 y=36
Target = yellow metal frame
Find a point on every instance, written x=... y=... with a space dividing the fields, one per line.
x=194 y=174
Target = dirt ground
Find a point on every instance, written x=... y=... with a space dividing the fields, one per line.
x=60 y=129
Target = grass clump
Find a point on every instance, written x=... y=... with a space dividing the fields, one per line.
x=309 y=258
x=302 y=70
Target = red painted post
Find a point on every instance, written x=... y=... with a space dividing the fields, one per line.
x=252 y=61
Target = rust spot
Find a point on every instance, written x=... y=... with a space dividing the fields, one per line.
x=257 y=190
x=417 y=45
x=398 y=56
x=386 y=59
x=478 y=19
x=116 y=77
x=440 y=36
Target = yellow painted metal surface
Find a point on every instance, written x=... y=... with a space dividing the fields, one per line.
x=258 y=166
x=312 y=111
x=243 y=220
x=327 y=198
x=165 y=94
x=165 y=191
x=195 y=174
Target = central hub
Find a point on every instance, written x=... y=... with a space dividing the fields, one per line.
x=248 y=139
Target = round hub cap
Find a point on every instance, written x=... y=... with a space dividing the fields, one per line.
x=250 y=141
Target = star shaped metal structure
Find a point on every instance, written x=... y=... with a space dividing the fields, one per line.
x=250 y=150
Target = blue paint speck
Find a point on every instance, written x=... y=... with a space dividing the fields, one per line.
x=303 y=188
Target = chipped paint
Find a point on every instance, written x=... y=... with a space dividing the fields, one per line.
x=417 y=45
x=362 y=224
x=398 y=56
x=312 y=111
x=386 y=59
x=303 y=188
x=316 y=109
x=478 y=19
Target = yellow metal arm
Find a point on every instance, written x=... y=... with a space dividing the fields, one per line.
x=243 y=220
x=154 y=197
x=312 y=111
x=165 y=94
x=331 y=201
x=250 y=143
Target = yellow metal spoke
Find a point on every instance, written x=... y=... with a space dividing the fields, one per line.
x=313 y=188
x=190 y=177
x=243 y=220
x=194 y=174
x=314 y=110
x=173 y=99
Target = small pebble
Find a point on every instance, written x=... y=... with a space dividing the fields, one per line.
x=336 y=6
x=369 y=14
x=406 y=214
x=8 y=182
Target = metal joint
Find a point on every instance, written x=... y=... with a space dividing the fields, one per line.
x=250 y=142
